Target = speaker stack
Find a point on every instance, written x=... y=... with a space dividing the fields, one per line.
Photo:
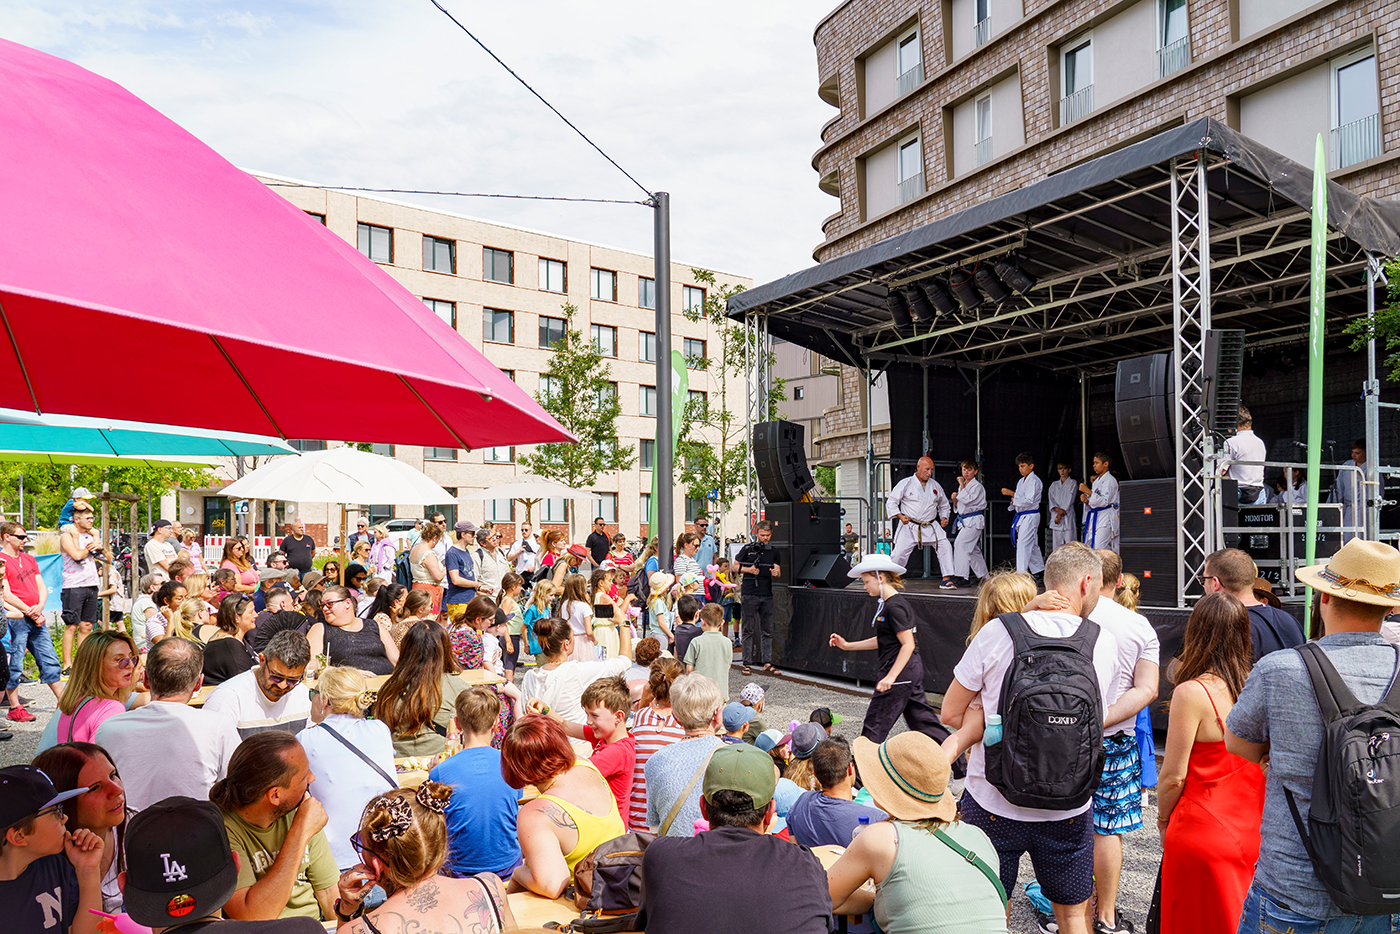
x=802 y=531
x=780 y=458
x=1148 y=522
x=1146 y=433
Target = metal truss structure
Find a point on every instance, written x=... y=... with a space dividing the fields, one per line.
x=758 y=380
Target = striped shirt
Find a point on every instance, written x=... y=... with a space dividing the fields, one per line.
x=652 y=731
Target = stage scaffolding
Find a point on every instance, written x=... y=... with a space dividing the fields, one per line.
x=1141 y=250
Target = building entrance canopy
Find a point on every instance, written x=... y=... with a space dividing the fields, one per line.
x=1098 y=240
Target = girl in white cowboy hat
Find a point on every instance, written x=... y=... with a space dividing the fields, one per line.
x=932 y=872
x=900 y=683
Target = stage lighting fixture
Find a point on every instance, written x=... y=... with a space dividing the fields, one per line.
x=990 y=285
x=918 y=304
x=1016 y=278
x=966 y=292
x=899 y=309
x=937 y=293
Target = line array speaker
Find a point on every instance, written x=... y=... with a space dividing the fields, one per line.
x=1224 y=376
x=780 y=458
x=1146 y=432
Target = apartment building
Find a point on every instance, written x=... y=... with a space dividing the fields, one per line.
x=502 y=288
x=942 y=104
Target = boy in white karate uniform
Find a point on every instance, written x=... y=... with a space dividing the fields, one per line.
x=970 y=503
x=1101 y=506
x=1025 y=523
x=1063 y=494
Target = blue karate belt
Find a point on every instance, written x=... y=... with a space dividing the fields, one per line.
x=1091 y=525
x=1016 y=521
x=958 y=519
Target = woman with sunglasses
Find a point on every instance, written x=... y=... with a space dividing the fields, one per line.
x=331 y=571
x=402 y=843
x=104 y=671
x=347 y=639
x=236 y=559
x=102 y=810
x=225 y=652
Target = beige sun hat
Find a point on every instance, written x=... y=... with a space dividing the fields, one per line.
x=907 y=776
x=1367 y=572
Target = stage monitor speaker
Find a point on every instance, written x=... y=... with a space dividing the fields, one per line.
x=1266 y=543
x=801 y=530
x=780 y=458
x=1142 y=405
x=1224 y=376
x=826 y=570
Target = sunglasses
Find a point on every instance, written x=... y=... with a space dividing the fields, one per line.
x=20 y=537
x=361 y=849
x=127 y=661
x=283 y=679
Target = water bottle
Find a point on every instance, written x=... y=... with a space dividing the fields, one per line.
x=862 y=823
x=991 y=734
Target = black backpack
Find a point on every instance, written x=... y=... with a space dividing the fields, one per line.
x=1051 y=753
x=1353 y=830
x=403 y=573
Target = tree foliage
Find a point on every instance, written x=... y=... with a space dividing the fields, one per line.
x=1386 y=331
x=578 y=390
x=46 y=487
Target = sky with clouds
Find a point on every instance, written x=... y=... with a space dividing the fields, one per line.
x=715 y=102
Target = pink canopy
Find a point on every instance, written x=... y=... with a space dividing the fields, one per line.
x=143 y=277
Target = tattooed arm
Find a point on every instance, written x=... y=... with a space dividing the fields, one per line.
x=546 y=834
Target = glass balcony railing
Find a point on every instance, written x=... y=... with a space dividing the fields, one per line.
x=911 y=188
x=910 y=80
x=982 y=151
x=981 y=32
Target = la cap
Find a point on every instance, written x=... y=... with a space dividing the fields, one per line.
x=178 y=862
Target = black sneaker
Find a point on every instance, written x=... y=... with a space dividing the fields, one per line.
x=1121 y=925
x=1046 y=923
x=67 y=672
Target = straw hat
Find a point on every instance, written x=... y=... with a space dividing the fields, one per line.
x=875 y=563
x=907 y=775
x=660 y=581
x=1367 y=572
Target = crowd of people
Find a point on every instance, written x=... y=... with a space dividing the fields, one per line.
x=610 y=729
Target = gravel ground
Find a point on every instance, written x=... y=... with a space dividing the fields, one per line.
x=787 y=699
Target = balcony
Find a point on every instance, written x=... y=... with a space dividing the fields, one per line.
x=982 y=151
x=911 y=188
x=1173 y=57
x=981 y=32
x=1356 y=141
x=909 y=80
x=1077 y=106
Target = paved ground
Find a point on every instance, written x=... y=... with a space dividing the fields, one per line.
x=787 y=699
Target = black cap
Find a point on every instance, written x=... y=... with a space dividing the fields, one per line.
x=25 y=791
x=178 y=863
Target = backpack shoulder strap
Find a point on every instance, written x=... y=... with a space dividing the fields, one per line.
x=1334 y=698
x=1391 y=701
x=1018 y=629
x=1085 y=637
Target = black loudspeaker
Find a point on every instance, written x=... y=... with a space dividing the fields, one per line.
x=1154 y=565
x=801 y=530
x=1266 y=546
x=1142 y=404
x=780 y=458
x=829 y=570
x=1148 y=522
x=1224 y=375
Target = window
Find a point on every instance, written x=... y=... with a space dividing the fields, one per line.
x=498 y=326
x=500 y=510
x=696 y=507
x=605 y=507
x=605 y=394
x=497 y=265
x=448 y=510
x=911 y=170
x=1077 y=79
x=1173 y=46
x=698 y=401
x=799 y=393
x=505 y=455
x=439 y=454
x=646 y=346
x=386 y=449
x=552 y=510
x=439 y=255
x=549 y=386
x=447 y=311
x=604 y=285
x=551 y=331
x=648 y=454
x=982 y=129
x=646 y=509
x=646 y=292
x=1356 y=126
x=377 y=243
x=648 y=400
x=693 y=298
x=605 y=339
x=510 y=375
x=982 y=22
x=695 y=356
x=306 y=444
x=910 y=65
x=319 y=218
x=380 y=513
x=554 y=275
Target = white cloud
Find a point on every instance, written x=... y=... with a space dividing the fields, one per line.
x=716 y=104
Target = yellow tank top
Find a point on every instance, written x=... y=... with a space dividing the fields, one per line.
x=592 y=829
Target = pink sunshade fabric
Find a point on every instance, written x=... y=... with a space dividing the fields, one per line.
x=133 y=258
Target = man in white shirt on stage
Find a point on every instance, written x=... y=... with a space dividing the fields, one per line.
x=1349 y=489
x=1101 y=506
x=1245 y=445
x=919 y=510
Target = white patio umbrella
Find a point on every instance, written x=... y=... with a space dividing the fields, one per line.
x=530 y=489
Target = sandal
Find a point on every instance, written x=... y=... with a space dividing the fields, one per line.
x=770 y=669
x=745 y=670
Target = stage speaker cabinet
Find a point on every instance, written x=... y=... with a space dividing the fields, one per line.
x=828 y=570
x=780 y=459
x=1154 y=565
x=1142 y=406
x=1147 y=521
x=1224 y=377
x=801 y=530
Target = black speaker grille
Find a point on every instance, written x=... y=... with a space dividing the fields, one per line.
x=1224 y=374
x=1154 y=565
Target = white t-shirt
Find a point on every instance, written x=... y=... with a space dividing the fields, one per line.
x=1137 y=641
x=562 y=688
x=165 y=749
x=241 y=699
x=983 y=668
x=158 y=551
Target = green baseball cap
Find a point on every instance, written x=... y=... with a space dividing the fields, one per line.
x=744 y=768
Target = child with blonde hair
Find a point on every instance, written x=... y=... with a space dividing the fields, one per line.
x=1129 y=592
x=659 y=607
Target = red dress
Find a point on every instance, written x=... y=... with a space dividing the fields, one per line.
x=1212 y=841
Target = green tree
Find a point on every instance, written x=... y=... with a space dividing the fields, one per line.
x=715 y=470
x=826 y=479
x=578 y=390
x=1386 y=331
x=46 y=487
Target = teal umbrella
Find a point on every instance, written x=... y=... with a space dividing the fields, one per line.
x=71 y=439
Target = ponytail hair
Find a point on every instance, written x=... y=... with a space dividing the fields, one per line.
x=552 y=632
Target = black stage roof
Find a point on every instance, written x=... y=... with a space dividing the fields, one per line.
x=1097 y=239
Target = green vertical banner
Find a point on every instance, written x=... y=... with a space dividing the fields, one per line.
x=1316 y=322
x=680 y=393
